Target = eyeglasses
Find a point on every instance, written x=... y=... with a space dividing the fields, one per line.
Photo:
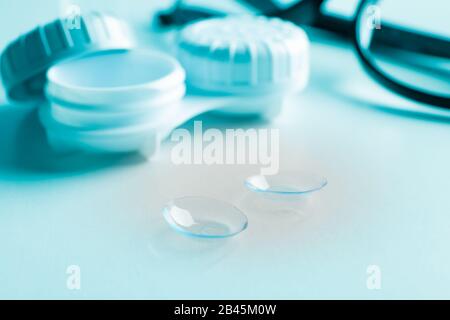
x=403 y=45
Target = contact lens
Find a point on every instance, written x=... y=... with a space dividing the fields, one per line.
x=288 y=183
x=285 y=195
x=204 y=217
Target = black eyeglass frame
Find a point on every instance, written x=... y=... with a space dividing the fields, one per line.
x=371 y=67
x=308 y=12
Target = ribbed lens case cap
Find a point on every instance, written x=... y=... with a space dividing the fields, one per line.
x=26 y=60
x=238 y=54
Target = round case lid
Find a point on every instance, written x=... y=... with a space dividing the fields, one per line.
x=25 y=61
x=238 y=53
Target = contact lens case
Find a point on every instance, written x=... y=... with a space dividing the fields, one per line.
x=238 y=66
x=25 y=61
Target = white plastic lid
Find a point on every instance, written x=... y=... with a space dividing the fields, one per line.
x=238 y=54
x=26 y=60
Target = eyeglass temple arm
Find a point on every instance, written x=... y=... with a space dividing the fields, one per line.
x=308 y=12
x=386 y=80
x=180 y=15
x=418 y=42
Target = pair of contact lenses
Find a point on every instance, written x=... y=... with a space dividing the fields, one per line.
x=211 y=218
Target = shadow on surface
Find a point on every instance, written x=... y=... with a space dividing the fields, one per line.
x=398 y=110
x=223 y=121
x=406 y=109
x=25 y=153
x=348 y=82
x=168 y=245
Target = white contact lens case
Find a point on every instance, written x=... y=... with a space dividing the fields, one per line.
x=244 y=55
x=125 y=100
x=115 y=77
x=111 y=116
x=61 y=137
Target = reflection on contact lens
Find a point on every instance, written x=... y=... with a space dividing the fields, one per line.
x=288 y=194
x=204 y=217
x=297 y=183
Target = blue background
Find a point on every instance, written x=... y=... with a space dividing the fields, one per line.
x=387 y=202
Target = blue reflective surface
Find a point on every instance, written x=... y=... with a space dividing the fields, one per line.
x=386 y=204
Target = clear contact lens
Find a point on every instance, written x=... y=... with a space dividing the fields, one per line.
x=288 y=194
x=288 y=183
x=204 y=217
